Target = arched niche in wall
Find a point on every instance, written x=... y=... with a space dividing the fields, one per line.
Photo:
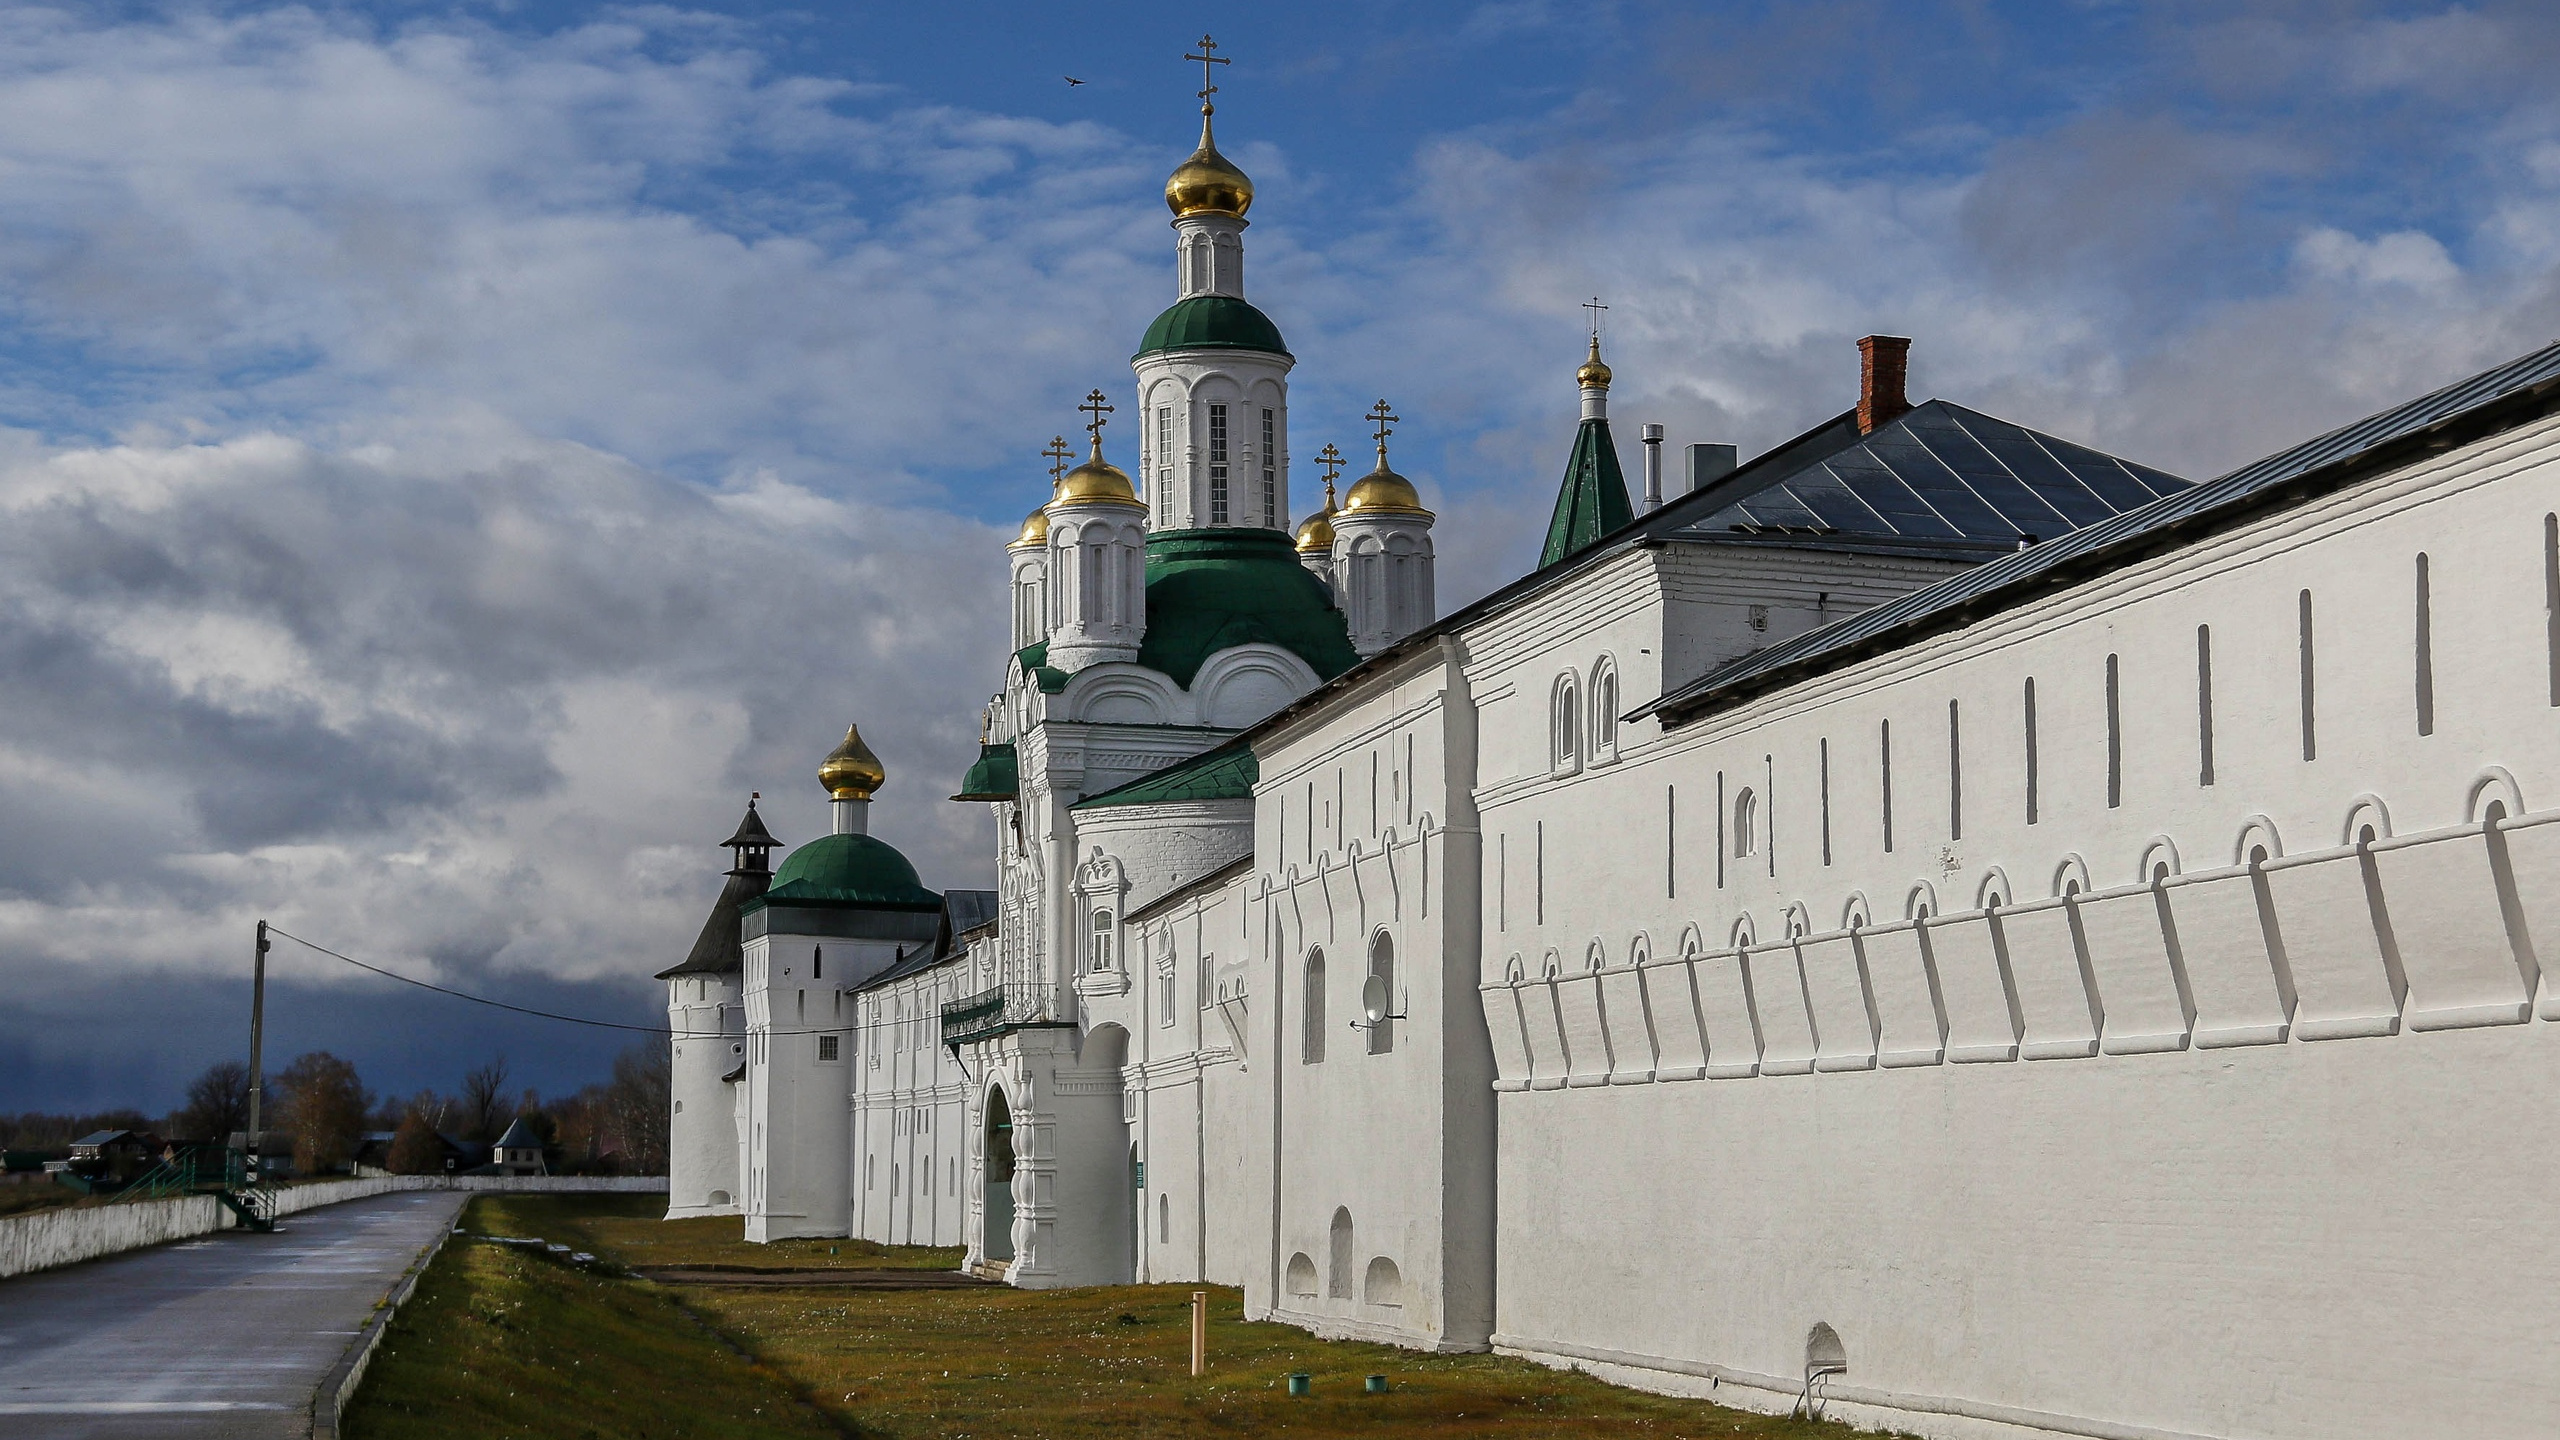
x=1921 y=902
x=1994 y=890
x=2071 y=876
x=2159 y=861
x=2368 y=819
x=2493 y=785
x=1126 y=695
x=2258 y=842
x=1857 y=914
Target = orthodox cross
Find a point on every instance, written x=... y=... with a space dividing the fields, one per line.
x=1094 y=407
x=1207 y=57
x=1058 y=456
x=1595 y=307
x=1386 y=422
x=1331 y=460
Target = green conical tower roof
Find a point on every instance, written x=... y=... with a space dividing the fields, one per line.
x=1593 y=501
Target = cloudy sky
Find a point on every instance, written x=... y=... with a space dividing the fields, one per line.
x=450 y=454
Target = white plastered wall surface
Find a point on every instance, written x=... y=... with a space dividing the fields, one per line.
x=910 y=1111
x=2197 y=1106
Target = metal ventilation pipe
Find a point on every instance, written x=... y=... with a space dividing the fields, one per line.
x=1652 y=468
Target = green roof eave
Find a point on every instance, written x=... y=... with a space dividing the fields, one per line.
x=1212 y=322
x=997 y=775
x=1225 y=773
x=846 y=871
x=1035 y=663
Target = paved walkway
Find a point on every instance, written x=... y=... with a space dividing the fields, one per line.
x=214 y=1338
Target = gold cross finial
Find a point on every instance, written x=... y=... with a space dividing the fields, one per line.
x=1595 y=307
x=1331 y=460
x=1094 y=407
x=1058 y=455
x=1207 y=57
x=1386 y=422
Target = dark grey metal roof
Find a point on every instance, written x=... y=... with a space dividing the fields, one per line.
x=2116 y=540
x=520 y=1136
x=1941 y=472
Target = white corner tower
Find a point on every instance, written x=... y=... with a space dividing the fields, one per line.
x=1382 y=553
x=706 y=1016
x=1213 y=374
x=1097 y=548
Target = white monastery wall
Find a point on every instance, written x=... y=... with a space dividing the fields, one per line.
x=1380 y=1220
x=910 y=1112
x=2039 y=1105
x=798 y=1086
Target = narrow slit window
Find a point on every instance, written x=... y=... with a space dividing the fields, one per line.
x=1955 y=772
x=1164 y=466
x=1824 y=763
x=1670 y=841
x=2310 y=734
x=1720 y=832
x=2115 y=737
x=2426 y=653
x=2029 y=701
x=2551 y=599
x=1217 y=464
x=2204 y=705
x=1884 y=773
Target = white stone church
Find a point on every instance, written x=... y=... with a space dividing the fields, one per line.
x=2012 y=940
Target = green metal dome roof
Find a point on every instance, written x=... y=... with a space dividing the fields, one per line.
x=848 y=870
x=1212 y=590
x=1212 y=322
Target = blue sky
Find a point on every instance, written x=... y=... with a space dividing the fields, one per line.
x=450 y=454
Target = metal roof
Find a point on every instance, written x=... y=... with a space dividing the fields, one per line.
x=1942 y=472
x=2109 y=542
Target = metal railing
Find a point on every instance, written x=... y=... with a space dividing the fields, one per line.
x=993 y=1012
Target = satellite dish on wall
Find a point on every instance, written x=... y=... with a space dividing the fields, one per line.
x=1374 y=1000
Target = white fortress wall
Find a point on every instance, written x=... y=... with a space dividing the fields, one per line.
x=1380 y=1225
x=2204 y=1148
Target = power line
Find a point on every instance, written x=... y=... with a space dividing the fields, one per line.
x=658 y=1030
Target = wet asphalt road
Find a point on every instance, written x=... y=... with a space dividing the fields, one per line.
x=223 y=1336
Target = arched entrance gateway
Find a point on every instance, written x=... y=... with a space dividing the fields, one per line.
x=995 y=1242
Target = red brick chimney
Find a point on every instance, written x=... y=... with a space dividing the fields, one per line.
x=1883 y=363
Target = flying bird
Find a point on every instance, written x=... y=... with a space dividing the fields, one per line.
x=1073 y=80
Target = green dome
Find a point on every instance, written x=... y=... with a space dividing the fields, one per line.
x=1212 y=322
x=850 y=870
x=1212 y=590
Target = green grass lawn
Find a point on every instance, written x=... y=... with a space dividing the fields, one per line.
x=498 y=1343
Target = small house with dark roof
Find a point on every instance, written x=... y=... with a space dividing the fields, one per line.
x=519 y=1150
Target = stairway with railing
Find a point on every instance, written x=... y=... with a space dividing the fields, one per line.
x=214 y=1170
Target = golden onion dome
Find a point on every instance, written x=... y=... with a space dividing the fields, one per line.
x=851 y=771
x=1035 y=530
x=1315 y=534
x=1383 y=492
x=1593 y=374
x=1096 y=479
x=1208 y=183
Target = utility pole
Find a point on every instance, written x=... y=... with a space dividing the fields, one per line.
x=257 y=1039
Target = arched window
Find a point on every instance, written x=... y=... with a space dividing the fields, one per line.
x=1315 y=1008
x=1564 y=728
x=1382 y=968
x=1746 y=822
x=1337 y=1274
x=1101 y=940
x=1604 y=711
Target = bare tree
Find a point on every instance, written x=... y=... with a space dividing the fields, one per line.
x=637 y=1103
x=217 y=1104
x=485 y=1111
x=415 y=1148
x=324 y=1109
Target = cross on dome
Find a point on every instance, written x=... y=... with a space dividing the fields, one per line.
x=1207 y=57
x=1385 y=421
x=1093 y=405
x=1595 y=307
x=1332 y=461
x=1058 y=455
